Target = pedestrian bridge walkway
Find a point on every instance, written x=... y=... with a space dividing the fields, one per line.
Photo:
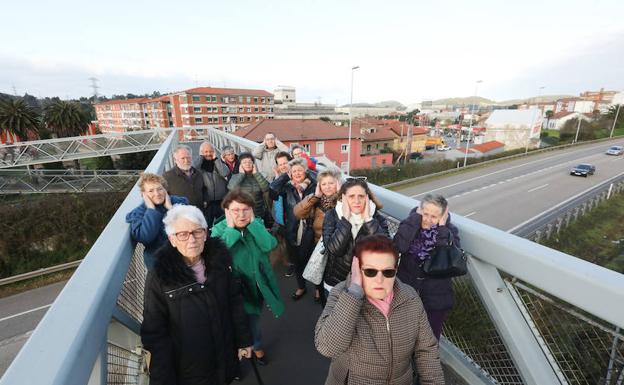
x=525 y=314
x=27 y=181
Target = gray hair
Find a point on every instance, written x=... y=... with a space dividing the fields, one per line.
x=298 y=162
x=180 y=147
x=206 y=143
x=187 y=212
x=227 y=149
x=435 y=199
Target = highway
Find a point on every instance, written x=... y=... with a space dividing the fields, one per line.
x=507 y=194
x=503 y=195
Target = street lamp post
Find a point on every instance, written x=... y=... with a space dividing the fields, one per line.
x=470 y=126
x=350 y=121
x=539 y=93
x=615 y=120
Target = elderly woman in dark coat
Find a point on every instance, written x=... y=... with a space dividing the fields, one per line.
x=426 y=227
x=374 y=326
x=293 y=186
x=194 y=323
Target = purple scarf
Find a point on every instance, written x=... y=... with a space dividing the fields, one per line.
x=424 y=243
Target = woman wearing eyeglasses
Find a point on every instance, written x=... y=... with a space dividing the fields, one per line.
x=355 y=216
x=426 y=227
x=194 y=323
x=293 y=186
x=145 y=221
x=250 y=243
x=374 y=326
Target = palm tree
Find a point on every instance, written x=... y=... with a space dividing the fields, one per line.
x=65 y=118
x=18 y=118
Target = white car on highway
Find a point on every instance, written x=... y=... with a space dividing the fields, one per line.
x=615 y=150
x=443 y=147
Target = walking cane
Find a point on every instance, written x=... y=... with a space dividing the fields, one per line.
x=256 y=372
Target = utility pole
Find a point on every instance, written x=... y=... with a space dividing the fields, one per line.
x=578 y=128
x=95 y=88
x=14 y=90
x=614 y=120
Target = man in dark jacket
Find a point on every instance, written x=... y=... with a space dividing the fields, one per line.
x=184 y=179
x=215 y=174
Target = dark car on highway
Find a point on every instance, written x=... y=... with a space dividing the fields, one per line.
x=583 y=169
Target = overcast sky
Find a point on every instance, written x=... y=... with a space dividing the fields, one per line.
x=407 y=50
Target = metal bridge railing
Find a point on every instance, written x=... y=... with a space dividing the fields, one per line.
x=25 y=181
x=525 y=314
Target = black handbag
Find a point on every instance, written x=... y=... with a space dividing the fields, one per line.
x=446 y=261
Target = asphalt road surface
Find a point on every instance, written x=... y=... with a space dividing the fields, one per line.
x=507 y=194
x=503 y=195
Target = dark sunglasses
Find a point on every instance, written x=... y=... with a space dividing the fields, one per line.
x=372 y=273
x=354 y=178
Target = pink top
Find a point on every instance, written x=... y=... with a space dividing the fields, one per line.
x=200 y=271
x=382 y=304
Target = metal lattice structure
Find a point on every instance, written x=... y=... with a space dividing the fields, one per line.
x=24 y=181
x=58 y=150
x=525 y=314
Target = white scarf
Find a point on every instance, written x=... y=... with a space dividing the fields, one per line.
x=356 y=220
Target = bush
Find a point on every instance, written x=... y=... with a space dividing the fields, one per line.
x=52 y=229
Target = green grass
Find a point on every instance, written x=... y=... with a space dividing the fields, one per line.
x=597 y=237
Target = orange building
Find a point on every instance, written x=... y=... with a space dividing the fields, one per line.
x=224 y=108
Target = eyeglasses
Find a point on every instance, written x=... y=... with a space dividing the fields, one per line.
x=184 y=235
x=240 y=211
x=372 y=273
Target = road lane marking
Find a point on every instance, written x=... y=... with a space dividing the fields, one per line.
x=24 y=312
x=537 y=188
x=470 y=214
x=511 y=168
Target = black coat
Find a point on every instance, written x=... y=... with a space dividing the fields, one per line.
x=193 y=330
x=339 y=243
x=192 y=189
x=436 y=293
x=290 y=197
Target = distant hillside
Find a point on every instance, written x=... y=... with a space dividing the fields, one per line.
x=543 y=98
x=466 y=100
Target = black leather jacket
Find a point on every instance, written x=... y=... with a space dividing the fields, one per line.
x=280 y=186
x=339 y=243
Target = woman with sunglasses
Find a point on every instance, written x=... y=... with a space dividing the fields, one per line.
x=249 y=243
x=194 y=323
x=355 y=216
x=426 y=227
x=374 y=326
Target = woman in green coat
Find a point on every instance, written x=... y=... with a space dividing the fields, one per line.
x=250 y=243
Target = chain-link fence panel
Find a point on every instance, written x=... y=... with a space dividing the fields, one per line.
x=123 y=366
x=131 y=296
x=587 y=350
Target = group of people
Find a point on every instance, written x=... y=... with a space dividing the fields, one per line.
x=208 y=227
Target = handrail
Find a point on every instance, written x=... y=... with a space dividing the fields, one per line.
x=65 y=347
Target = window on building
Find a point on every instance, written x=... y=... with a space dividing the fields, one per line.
x=199 y=120
x=269 y=100
x=385 y=145
x=368 y=147
x=248 y=99
x=196 y=98
x=306 y=147
x=320 y=148
x=262 y=100
x=240 y=99
x=196 y=109
x=255 y=109
x=383 y=161
x=263 y=109
x=344 y=148
x=183 y=99
x=214 y=98
x=255 y=99
x=248 y=109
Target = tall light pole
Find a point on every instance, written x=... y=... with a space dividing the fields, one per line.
x=350 y=121
x=539 y=93
x=471 y=120
x=615 y=120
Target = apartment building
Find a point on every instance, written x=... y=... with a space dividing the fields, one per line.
x=224 y=108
